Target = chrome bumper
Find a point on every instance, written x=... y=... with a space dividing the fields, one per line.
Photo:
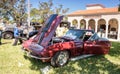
x=33 y=56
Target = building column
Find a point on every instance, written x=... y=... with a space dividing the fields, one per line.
x=78 y=24
x=118 y=36
x=106 y=32
x=71 y=23
x=96 y=25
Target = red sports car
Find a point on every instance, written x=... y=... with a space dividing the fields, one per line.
x=58 y=50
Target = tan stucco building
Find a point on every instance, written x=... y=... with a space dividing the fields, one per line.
x=98 y=18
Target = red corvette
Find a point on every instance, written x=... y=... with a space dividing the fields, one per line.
x=58 y=50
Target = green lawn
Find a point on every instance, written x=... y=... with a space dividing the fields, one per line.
x=13 y=61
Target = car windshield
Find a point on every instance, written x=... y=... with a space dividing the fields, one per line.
x=94 y=37
x=75 y=34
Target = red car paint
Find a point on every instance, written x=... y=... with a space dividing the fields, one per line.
x=75 y=47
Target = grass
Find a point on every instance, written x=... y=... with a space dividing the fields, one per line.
x=13 y=61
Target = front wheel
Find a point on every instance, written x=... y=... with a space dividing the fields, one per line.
x=60 y=59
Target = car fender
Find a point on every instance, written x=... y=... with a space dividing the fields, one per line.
x=8 y=31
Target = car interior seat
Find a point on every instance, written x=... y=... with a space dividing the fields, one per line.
x=87 y=36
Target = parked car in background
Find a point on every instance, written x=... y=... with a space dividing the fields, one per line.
x=8 y=31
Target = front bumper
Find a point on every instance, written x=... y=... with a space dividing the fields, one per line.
x=36 y=56
x=41 y=58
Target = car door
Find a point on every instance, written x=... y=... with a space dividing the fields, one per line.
x=94 y=46
x=78 y=47
x=79 y=43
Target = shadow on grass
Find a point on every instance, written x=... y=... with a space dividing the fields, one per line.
x=36 y=63
x=92 y=65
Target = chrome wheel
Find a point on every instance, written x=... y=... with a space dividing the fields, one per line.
x=63 y=57
x=60 y=59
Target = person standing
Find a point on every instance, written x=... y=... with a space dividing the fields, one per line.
x=17 y=35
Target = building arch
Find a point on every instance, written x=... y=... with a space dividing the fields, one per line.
x=101 y=25
x=113 y=28
x=91 y=24
x=82 y=24
x=74 y=23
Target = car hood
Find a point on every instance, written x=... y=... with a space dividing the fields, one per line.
x=45 y=35
x=49 y=30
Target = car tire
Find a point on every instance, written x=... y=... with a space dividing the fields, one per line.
x=60 y=59
x=7 y=35
x=53 y=64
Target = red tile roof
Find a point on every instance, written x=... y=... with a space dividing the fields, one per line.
x=95 y=11
x=91 y=5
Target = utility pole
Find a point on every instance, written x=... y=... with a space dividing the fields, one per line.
x=28 y=20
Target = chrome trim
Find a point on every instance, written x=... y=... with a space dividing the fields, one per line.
x=30 y=55
x=81 y=57
x=42 y=58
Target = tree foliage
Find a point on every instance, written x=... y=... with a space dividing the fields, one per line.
x=45 y=10
x=14 y=9
x=34 y=14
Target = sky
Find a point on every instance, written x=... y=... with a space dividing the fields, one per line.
x=75 y=5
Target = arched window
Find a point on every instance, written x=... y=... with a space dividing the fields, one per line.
x=113 y=28
x=75 y=23
x=82 y=24
x=101 y=25
x=91 y=25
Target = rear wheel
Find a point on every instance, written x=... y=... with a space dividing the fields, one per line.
x=60 y=59
x=7 y=35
